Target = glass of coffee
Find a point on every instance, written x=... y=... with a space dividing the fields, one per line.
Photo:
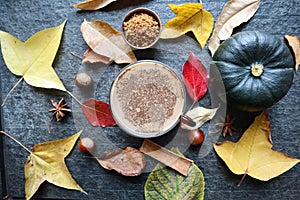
x=147 y=99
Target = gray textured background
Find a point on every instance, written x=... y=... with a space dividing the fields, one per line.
x=25 y=115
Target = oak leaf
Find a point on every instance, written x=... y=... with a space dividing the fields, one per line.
x=234 y=13
x=190 y=17
x=33 y=59
x=294 y=42
x=93 y=4
x=253 y=155
x=46 y=163
x=128 y=161
x=107 y=41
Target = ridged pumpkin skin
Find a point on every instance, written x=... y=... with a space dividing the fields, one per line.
x=257 y=69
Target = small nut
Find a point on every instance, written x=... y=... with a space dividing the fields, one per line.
x=83 y=80
x=86 y=145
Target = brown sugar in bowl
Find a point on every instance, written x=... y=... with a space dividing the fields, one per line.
x=141 y=28
x=147 y=99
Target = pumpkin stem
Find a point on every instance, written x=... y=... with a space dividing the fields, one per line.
x=257 y=70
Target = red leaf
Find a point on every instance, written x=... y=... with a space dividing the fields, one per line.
x=98 y=113
x=195 y=77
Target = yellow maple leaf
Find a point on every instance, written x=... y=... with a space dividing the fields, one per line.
x=190 y=17
x=33 y=59
x=253 y=154
x=46 y=163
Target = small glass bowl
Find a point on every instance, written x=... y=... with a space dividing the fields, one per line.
x=128 y=103
x=149 y=12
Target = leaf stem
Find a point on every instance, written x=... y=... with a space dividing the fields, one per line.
x=12 y=89
x=75 y=54
x=192 y=105
x=10 y=137
x=243 y=178
x=50 y=122
x=77 y=100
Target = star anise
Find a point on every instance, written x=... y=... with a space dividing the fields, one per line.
x=58 y=111
x=227 y=125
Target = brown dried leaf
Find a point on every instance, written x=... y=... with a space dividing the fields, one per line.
x=91 y=57
x=93 y=4
x=294 y=42
x=128 y=161
x=233 y=14
x=107 y=41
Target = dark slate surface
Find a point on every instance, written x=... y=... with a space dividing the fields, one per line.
x=25 y=115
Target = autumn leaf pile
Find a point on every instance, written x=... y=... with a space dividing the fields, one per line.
x=32 y=61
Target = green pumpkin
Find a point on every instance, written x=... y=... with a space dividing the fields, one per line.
x=257 y=69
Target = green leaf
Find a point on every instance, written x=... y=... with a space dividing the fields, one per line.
x=165 y=183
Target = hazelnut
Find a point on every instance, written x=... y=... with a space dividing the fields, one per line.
x=83 y=80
